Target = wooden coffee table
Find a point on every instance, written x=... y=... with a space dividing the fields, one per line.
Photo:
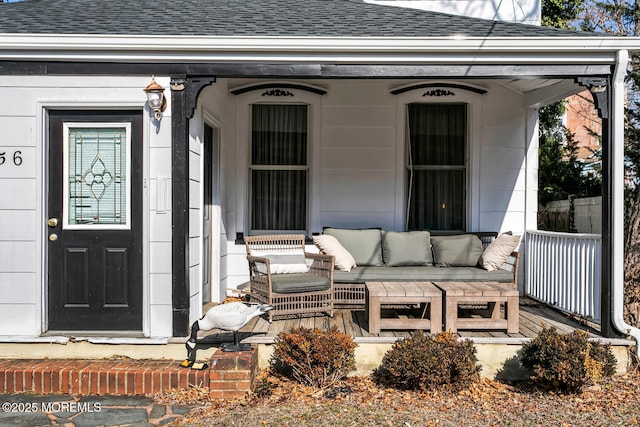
x=491 y=293
x=423 y=293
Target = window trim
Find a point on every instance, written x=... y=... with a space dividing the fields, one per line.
x=411 y=166
x=243 y=155
x=251 y=168
x=434 y=95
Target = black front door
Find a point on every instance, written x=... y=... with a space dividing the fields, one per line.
x=95 y=221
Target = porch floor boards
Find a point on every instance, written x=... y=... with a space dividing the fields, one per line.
x=533 y=317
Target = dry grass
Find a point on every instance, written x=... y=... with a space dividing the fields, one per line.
x=360 y=402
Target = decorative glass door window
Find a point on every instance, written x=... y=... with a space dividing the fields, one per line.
x=96 y=175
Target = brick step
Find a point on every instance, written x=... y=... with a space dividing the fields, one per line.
x=228 y=375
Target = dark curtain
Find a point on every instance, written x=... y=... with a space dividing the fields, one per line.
x=279 y=174
x=437 y=201
x=437 y=172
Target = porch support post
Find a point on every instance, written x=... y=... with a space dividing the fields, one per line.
x=184 y=98
x=601 y=90
x=179 y=207
x=608 y=213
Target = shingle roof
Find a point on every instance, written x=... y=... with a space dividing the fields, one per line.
x=261 y=18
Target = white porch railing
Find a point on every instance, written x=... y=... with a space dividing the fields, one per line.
x=563 y=270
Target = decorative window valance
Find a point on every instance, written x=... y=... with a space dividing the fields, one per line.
x=278 y=89
x=439 y=88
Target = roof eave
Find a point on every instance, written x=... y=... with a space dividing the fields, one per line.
x=286 y=49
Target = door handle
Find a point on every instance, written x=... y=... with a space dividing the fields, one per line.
x=53 y=237
x=52 y=222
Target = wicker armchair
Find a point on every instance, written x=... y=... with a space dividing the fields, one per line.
x=304 y=291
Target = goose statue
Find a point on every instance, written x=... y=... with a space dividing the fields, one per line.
x=230 y=316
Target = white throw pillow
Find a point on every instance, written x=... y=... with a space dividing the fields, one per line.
x=329 y=245
x=285 y=262
x=498 y=251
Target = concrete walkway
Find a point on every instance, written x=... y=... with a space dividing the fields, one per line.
x=28 y=410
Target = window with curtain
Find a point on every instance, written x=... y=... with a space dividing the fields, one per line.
x=279 y=170
x=436 y=167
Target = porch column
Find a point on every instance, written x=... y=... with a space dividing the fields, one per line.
x=179 y=207
x=184 y=98
x=608 y=213
x=601 y=90
x=612 y=202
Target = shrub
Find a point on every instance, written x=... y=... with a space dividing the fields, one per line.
x=567 y=361
x=424 y=361
x=314 y=357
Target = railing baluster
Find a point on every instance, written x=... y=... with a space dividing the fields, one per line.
x=563 y=270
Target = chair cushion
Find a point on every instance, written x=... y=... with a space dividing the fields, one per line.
x=285 y=262
x=365 y=245
x=456 y=251
x=329 y=245
x=299 y=282
x=498 y=251
x=406 y=248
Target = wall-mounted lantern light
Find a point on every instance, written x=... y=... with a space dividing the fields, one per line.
x=155 y=98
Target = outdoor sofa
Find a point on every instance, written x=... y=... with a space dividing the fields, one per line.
x=376 y=255
x=293 y=281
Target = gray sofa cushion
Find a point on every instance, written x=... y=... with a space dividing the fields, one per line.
x=365 y=245
x=298 y=282
x=462 y=250
x=422 y=274
x=406 y=248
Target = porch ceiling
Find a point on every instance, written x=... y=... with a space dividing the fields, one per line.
x=528 y=85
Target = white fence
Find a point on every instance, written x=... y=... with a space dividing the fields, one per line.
x=563 y=270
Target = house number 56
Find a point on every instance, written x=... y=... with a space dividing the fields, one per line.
x=16 y=158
